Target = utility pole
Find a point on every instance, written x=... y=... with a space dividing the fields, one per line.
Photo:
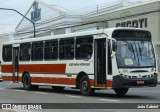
x=23 y=16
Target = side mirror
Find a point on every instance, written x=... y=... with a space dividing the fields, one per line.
x=114 y=46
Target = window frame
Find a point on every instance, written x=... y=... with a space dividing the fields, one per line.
x=67 y=39
x=3 y=52
x=57 y=55
x=92 y=44
x=36 y=42
x=30 y=45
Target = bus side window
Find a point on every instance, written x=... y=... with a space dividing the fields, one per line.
x=66 y=48
x=84 y=47
x=37 y=50
x=7 y=53
x=51 y=50
x=25 y=51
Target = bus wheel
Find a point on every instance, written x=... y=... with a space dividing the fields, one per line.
x=85 y=87
x=121 y=91
x=27 y=82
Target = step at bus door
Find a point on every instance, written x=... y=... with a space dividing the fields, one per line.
x=100 y=62
x=15 y=64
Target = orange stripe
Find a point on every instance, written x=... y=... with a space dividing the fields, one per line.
x=10 y=78
x=65 y=81
x=37 y=68
x=101 y=85
x=92 y=82
x=7 y=68
x=45 y=80
x=7 y=78
x=109 y=83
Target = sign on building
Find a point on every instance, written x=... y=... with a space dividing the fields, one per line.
x=36 y=14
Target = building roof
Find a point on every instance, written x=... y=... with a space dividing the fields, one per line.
x=54 y=8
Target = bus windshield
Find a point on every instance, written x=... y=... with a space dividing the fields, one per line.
x=135 y=53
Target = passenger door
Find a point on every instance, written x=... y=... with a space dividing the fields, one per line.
x=100 y=62
x=15 y=64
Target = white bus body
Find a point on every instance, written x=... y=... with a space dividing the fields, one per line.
x=86 y=60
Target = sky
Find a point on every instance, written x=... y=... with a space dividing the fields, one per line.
x=10 y=19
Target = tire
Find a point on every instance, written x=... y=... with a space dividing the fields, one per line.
x=27 y=83
x=121 y=91
x=85 y=87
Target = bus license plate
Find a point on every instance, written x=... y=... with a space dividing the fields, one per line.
x=140 y=82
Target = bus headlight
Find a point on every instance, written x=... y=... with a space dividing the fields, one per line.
x=126 y=76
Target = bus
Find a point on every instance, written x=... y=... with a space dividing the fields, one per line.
x=0 y=73
x=113 y=58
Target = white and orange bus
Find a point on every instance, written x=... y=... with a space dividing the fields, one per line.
x=113 y=58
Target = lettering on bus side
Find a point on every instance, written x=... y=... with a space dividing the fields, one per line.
x=79 y=64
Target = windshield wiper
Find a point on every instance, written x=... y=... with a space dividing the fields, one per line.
x=140 y=51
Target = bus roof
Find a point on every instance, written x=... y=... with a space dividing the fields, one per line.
x=107 y=31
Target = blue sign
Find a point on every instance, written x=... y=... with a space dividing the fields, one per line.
x=36 y=14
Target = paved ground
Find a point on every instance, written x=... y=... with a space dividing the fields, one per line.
x=14 y=93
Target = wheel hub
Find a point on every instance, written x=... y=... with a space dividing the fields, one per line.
x=85 y=85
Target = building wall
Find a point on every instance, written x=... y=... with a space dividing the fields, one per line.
x=48 y=19
x=151 y=22
x=152 y=26
x=146 y=16
x=148 y=19
x=89 y=26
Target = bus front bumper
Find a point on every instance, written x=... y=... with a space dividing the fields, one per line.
x=121 y=82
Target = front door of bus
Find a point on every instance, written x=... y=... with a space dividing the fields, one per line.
x=15 y=64
x=100 y=62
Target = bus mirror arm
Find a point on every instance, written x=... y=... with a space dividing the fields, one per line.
x=114 y=46
x=113 y=53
